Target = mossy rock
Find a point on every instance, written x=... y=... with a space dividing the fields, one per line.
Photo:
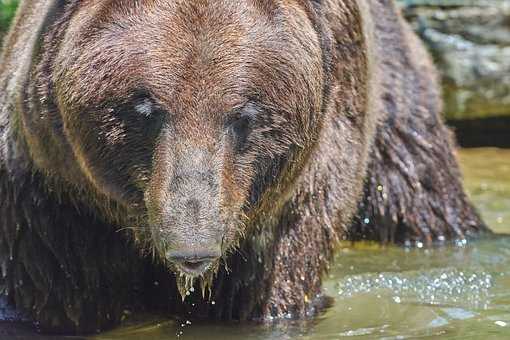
x=470 y=41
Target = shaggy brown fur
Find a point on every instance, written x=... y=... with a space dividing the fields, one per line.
x=254 y=129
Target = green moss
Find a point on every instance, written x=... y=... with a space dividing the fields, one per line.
x=7 y=11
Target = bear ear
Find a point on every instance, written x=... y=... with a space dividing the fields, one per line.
x=25 y=40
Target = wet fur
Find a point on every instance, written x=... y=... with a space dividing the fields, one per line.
x=380 y=149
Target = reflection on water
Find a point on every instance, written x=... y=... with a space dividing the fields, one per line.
x=397 y=293
x=487 y=177
x=446 y=291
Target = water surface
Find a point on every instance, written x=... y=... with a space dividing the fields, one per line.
x=457 y=292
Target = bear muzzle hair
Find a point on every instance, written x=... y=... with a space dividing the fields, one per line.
x=184 y=208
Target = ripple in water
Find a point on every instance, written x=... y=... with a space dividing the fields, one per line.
x=448 y=286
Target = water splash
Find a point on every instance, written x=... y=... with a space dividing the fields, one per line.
x=437 y=286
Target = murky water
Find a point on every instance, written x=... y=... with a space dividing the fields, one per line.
x=455 y=292
x=487 y=178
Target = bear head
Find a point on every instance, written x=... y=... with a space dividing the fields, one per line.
x=189 y=113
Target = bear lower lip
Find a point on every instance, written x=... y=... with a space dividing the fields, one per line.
x=193 y=262
x=194 y=268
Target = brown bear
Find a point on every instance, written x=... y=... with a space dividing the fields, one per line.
x=211 y=150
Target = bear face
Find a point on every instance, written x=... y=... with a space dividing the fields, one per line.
x=187 y=112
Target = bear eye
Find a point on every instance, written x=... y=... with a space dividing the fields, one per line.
x=239 y=124
x=139 y=114
x=145 y=107
x=240 y=127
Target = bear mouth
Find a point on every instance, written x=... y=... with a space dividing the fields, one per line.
x=194 y=267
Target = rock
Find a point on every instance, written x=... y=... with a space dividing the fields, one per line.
x=470 y=41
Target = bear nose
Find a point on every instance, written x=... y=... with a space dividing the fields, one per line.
x=193 y=263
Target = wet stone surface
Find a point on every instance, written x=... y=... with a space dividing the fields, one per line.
x=470 y=42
